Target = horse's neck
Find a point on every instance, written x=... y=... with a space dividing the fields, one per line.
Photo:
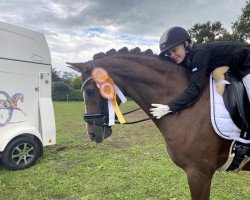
x=14 y=100
x=149 y=83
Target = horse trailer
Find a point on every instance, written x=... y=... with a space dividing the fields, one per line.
x=27 y=121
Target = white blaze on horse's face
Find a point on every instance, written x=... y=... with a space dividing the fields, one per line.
x=85 y=107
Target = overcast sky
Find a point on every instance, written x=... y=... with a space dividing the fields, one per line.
x=77 y=29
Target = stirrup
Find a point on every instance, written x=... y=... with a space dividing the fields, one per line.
x=241 y=151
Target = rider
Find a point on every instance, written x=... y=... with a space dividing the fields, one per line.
x=200 y=59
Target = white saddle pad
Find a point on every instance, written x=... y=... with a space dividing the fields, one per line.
x=220 y=117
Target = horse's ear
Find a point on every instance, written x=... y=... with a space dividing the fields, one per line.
x=76 y=66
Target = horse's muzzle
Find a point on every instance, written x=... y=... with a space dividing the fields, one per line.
x=99 y=135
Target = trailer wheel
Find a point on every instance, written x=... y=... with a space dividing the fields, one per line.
x=21 y=153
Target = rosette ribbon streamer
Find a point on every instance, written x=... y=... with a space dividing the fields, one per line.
x=108 y=90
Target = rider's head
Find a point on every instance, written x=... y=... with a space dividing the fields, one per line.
x=174 y=43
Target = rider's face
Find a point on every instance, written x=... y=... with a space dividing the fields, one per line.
x=177 y=54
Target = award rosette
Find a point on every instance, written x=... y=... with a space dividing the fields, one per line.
x=108 y=90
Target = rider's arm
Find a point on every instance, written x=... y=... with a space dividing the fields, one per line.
x=199 y=64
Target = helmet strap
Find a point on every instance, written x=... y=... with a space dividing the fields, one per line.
x=187 y=46
x=189 y=54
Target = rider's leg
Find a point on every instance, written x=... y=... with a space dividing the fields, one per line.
x=244 y=69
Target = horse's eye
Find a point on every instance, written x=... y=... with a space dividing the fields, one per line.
x=91 y=92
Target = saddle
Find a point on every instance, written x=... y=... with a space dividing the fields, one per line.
x=237 y=103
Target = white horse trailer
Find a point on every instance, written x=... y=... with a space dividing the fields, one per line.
x=27 y=121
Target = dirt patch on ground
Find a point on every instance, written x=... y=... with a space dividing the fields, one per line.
x=58 y=147
x=118 y=144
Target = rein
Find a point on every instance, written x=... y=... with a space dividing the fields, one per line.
x=134 y=122
x=193 y=102
x=89 y=118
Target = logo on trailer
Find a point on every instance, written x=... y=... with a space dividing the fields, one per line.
x=10 y=104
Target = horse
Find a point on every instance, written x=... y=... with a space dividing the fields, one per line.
x=190 y=139
x=10 y=104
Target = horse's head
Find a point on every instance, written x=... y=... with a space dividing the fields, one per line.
x=18 y=96
x=133 y=72
x=96 y=107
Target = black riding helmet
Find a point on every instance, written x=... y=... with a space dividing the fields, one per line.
x=173 y=37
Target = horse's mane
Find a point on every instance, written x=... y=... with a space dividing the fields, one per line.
x=137 y=52
x=124 y=50
x=161 y=60
x=147 y=58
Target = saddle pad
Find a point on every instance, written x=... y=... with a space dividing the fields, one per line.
x=220 y=117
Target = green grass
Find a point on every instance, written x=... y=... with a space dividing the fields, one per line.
x=131 y=164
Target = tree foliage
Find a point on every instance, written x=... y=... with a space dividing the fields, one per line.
x=241 y=28
x=68 y=76
x=66 y=87
x=76 y=83
x=61 y=86
x=55 y=75
x=208 y=31
x=63 y=92
x=203 y=32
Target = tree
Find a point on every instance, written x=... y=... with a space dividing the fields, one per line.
x=241 y=28
x=61 y=86
x=63 y=92
x=67 y=76
x=203 y=32
x=55 y=75
x=76 y=83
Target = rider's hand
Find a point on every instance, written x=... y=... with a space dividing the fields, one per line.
x=159 y=110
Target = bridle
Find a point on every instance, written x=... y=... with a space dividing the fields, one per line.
x=91 y=118
x=104 y=116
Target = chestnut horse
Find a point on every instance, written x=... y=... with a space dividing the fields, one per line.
x=190 y=139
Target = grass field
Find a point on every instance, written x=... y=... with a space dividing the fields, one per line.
x=131 y=164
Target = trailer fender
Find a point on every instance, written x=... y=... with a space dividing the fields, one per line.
x=9 y=135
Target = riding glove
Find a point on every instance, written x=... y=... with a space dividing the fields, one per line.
x=160 y=110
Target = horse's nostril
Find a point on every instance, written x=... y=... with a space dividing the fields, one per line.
x=92 y=135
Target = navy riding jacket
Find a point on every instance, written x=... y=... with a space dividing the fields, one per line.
x=204 y=59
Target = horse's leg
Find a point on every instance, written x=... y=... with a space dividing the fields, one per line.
x=9 y=116
x=20 y=110
x=199 y=183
